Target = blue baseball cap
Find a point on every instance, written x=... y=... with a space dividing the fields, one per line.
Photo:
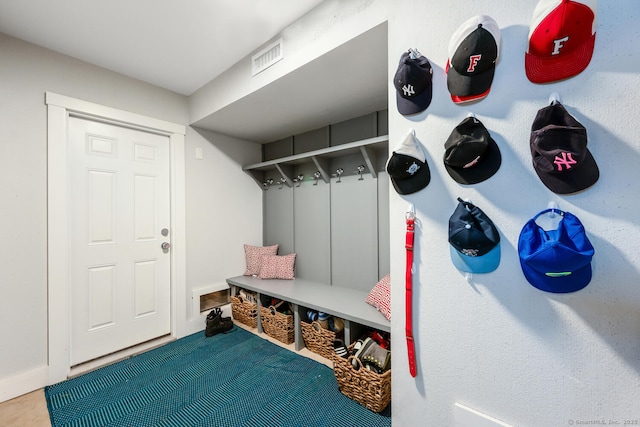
x=558 y=260
x=474 y=241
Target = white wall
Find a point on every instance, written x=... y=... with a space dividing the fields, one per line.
x=497 y=344
x=224 y=209
x=213 y=185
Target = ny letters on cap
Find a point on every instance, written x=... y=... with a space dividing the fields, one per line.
x=559 y=151
x=473 y=53
x=561 y=39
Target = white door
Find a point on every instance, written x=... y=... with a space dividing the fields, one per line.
x=119 y=205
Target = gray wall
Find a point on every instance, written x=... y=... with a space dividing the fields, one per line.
x=339 y=230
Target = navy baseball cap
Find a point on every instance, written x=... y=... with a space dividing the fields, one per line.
x=413 y=83
x=558 y=260
x=474 y=241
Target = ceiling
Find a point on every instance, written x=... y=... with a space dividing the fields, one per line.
x=176 y=44
x=181 y=45
x=346 y=82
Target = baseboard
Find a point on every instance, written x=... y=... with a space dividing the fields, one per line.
x=24 y=383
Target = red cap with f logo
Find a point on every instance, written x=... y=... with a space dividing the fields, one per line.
x=561 y=39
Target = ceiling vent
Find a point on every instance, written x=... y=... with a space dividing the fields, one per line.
x=266 y=57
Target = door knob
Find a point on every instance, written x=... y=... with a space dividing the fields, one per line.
x=165 y=246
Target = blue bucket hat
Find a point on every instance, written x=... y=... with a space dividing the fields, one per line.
x=559 y=260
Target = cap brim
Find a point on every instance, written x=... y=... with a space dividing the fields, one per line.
x=416 y=104
x=483 y=170
x=560 y=285
x=573 y=180
x=415 y=183
x=550 y=69
x=479 y=264
x=465 y=88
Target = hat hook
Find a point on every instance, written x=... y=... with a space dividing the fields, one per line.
x=554 y=98
x=414 y=53
x=470 y=114
x=554 y=209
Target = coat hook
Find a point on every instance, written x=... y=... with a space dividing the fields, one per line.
x=359 y=171
x=338 y=173
x=316 y=176
x=298 y=180
x=268 y=183
x=282 y=181
x=554 y=209
x=554 y=98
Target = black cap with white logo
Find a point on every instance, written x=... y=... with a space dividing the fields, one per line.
x=407 y=166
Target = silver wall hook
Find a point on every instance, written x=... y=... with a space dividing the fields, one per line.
x=267 y=183
x=360 y=170
x=298 y=180
x=282 y=181
x=338 y=173
x=316 y=177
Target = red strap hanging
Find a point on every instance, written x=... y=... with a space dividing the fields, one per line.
x=408 y=286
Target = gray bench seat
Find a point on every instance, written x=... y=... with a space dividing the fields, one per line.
x=346 y=303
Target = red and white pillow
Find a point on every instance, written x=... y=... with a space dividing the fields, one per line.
x=254 y=256
x=380 y=296
x=277 y=267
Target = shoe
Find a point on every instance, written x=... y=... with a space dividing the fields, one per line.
x=340 y=349
x=216 y=324
x=372 y=354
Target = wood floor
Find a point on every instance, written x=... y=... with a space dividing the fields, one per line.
x=27 y=410
x=30 y=410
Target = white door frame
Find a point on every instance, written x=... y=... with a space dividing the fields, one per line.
x=59 y=107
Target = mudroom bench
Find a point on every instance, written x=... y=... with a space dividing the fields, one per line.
x=346 y=303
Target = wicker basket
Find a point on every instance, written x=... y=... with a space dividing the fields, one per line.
x=277 y=325
x=318 y=339
x=244 y=312
x=370 y=389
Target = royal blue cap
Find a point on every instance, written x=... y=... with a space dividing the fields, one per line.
x=558 y=260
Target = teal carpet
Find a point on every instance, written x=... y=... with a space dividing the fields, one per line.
x=233 y=379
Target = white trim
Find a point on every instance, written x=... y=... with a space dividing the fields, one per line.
x=23 y=383
x=198 y=292
x=59 y=108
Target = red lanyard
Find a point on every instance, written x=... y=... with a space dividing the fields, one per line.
x=409 y=305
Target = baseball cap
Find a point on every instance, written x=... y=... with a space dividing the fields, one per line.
x=407 y=167
x=473 y=53
x=556 y=260
x=559 y=151
x=561 y=39
x=471 y=155
x=474 y=241
x=413 y=83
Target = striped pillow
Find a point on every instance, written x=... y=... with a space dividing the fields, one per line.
x=380 y=296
